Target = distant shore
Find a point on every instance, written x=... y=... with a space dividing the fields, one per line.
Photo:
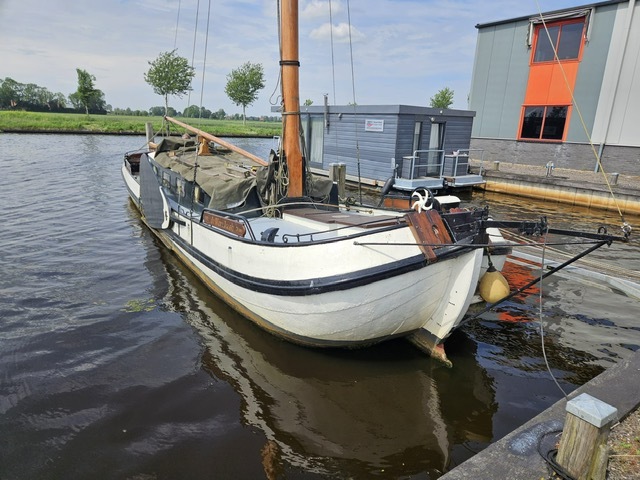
x=66 y=123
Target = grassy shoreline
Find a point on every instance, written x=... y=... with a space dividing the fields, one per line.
x=36 y=122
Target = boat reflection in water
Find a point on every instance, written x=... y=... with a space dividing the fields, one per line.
x=385 y=410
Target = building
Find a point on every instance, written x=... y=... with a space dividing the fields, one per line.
x=534 y=109
x=375 y=142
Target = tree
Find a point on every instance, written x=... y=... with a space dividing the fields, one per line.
x=243 y=85
x=10 y=93
x=219 y=115
x=442 y=99
x=87 y=94
x=308 y=102
x=157 y=111
x=170 y=74
x=193 y=111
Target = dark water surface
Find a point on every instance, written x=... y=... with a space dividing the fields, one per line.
x=115 y=362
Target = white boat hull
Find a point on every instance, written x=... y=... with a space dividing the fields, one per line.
x=344 y=291
x=360 y=315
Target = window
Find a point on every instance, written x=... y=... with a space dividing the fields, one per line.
x=544 y=123
x=566 y=37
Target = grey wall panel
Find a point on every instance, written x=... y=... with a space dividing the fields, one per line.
x=500 y=77
x=590 y=73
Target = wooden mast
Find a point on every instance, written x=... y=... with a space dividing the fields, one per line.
x=290 y=66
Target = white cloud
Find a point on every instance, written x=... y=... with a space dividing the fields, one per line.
x=341 y=33
x=404 y=51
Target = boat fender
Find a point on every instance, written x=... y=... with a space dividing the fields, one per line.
x=388 y=185
x=493 y=286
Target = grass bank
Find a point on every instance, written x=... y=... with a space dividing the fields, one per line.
x=11 y=121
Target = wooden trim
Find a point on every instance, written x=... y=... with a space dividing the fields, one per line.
x=224 y=223
x=428 y=229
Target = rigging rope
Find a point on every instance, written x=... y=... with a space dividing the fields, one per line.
x=175 y=39
x=333 y=67
x=333 y=72
x=204 y=66
x=193 y=51
x=278 y=100
x=625 y=226
x=540 y=316
x=353 y=89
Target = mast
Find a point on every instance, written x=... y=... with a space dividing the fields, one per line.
x=290 y=65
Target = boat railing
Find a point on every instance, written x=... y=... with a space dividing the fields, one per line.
x=457 y=163
x=425 y=163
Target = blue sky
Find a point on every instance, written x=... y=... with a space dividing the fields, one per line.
x=404 y=51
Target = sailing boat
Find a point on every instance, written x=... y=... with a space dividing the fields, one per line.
x=273 y=241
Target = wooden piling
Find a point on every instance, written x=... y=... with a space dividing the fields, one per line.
x=148 y=127
x=338 y=174
x=584 y=437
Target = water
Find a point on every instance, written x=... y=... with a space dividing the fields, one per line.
x=116 y=362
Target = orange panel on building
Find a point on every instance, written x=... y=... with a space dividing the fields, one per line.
x=547 y=85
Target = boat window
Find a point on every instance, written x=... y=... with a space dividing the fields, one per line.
x=198 y=194
x=565 y=37
x=544 y=122
x=417 y=134
x=180 y=187
x=315 y=140
x=166 y=179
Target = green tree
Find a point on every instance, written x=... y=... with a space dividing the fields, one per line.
x=308 y=102
x=10 y=93
x=87 y=94
x=170 y=74
x=243 y=85
x=156 y=111
x=442 y=99
x=219 y=115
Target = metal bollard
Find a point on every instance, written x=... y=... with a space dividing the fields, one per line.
x=614 y=178
x=550 y=167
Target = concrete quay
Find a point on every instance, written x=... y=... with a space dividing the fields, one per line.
x=609 y=191
x=517 y=456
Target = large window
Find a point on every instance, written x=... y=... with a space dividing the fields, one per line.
x=544 y=123
x=566 y=37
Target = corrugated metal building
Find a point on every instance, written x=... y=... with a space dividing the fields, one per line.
x=378 y=137
x=532 y=109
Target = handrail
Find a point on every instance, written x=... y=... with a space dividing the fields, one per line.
x=416 y=155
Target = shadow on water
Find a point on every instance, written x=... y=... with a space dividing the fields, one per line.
x=384 y=411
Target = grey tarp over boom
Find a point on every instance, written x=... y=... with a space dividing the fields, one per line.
x=227 y=177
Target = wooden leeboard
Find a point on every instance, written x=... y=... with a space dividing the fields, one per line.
x=428 y=229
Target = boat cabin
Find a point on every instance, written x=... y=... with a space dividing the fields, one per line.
x=417 y=146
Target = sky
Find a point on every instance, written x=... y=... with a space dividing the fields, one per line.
x=401 y=51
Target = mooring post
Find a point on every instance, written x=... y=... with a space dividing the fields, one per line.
x=584 y=437
x=148 y=128
x=338 y=174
